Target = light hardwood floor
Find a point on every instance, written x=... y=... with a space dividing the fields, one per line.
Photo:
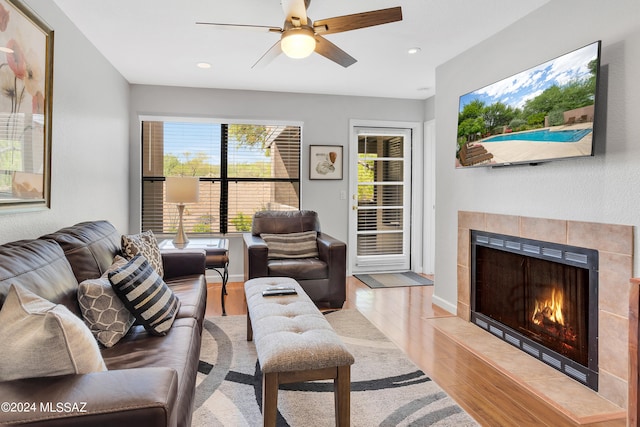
x=490 y=397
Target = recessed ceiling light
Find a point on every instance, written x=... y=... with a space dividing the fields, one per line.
x=413 y=50
x=203 y=65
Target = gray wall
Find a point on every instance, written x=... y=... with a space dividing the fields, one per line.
x=324 y=119
x=599 y=189
x=90 y=146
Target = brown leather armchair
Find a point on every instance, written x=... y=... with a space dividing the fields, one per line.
x=323 y=278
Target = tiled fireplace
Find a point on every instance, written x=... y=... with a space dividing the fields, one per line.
x=614 y=246
x=540 y=297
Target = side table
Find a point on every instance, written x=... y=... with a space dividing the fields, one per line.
x=217 y=250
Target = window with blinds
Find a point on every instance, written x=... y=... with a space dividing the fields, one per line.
x=242 y=169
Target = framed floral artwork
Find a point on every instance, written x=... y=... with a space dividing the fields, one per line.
x=26 y=78
x=325 y=162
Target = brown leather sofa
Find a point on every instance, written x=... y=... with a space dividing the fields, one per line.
x=150 y=380
x=322 y=278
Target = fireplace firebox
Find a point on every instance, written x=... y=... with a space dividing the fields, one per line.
x=540 y=297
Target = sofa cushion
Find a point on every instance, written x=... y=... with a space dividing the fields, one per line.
x=41 y=267
x=291 y=245
x=89 y=246
x=145 y=294
x=46 y=339
x=299 y=269
x=192 y=293
x=103 y=311
x=179 y=350
x=277 y=222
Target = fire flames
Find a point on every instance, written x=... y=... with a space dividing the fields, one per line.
x=549 y=311
x=549 y=320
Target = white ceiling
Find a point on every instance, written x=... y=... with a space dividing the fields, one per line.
x=156 y=42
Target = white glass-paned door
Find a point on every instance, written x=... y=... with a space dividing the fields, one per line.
x=380 y=215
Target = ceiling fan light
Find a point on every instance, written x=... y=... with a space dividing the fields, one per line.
x=298 y=42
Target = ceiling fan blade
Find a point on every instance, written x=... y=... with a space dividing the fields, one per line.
x=268 y=56
x=357 y=20
x=330 y=51
x=260 y=28
x=295 y=9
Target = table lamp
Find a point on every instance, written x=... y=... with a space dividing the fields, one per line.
x=181 y=190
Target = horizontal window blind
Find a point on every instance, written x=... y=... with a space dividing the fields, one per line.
x=242 y=169
x=381 y=201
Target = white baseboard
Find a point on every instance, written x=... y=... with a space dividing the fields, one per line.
x=213 y=277
x=444 y=304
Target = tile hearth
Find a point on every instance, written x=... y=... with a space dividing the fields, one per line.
x=615 y=247
x=581 y=404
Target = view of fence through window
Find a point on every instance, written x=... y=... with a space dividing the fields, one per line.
x=242 y=168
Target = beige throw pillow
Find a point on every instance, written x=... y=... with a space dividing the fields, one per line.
x=291 y=245
x=45 y=339
x=103 y=311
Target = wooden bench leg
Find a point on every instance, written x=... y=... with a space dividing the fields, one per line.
x=342 y=396
x=269 y=399
x=249 y=328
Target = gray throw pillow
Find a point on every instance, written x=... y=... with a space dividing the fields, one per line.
x=145 y=294
x=146 y=244
x=45 y=339
x=291 y=245
x=103 y=311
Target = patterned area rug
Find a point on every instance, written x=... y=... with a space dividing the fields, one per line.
x=386 y=388
x=393 y=280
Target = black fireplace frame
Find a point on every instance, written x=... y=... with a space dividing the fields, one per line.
x=564 y=254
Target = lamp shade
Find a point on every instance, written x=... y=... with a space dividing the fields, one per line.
x=298 y=42
x=182 y=189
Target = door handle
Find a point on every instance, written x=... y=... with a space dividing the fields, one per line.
x=355 y=208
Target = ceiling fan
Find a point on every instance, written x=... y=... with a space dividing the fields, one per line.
x=299 y=36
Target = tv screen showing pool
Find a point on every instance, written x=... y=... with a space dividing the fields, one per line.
x=541 y=114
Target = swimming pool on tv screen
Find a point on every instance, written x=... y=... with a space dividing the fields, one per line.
x=542 y=136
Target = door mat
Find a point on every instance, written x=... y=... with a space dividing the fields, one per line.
x=393 y=280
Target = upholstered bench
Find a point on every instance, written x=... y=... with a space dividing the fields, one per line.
x=295 y=343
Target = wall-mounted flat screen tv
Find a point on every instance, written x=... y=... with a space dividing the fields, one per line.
x=544 y=113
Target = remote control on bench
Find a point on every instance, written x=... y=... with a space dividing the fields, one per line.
x=278 y=290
